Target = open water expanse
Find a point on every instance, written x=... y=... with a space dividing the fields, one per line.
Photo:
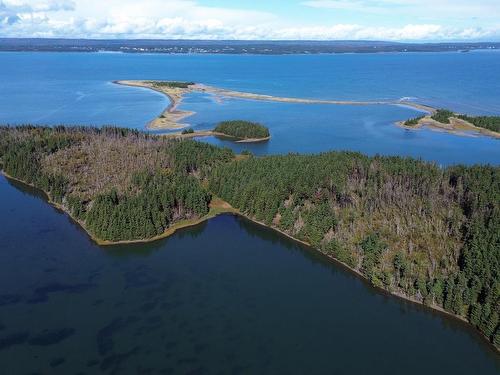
x=228 y=296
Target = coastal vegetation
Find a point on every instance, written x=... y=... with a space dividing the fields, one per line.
x=188 y=131
x=423 y=232
x=242 y=129
x=120 y=184
x=412 y=228
x=171 y=84
x=487 y=122
x=442 y=116
x=413 y=121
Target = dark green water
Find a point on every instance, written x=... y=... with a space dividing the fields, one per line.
x=225 y=297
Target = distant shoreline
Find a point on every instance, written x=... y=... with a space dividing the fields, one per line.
x=236 y=47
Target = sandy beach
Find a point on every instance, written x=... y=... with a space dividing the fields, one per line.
x=171 y=117
x=456 y=126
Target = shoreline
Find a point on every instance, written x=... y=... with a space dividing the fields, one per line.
x=456 y=126
x=170 y=118
x=211 y=133
x=175 y=95
x=219 y=207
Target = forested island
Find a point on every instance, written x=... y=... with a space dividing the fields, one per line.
x=243 y=130
x=425 y=233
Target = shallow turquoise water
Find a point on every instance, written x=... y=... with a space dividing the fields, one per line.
x=225 y=297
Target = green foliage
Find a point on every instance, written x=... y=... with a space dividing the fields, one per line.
x=426 y=232
x=373 y=248
x=162 y=200
x=150 y=202
x=172 y=84
x=188 y=131
x=242 y=129
x=487 y=122
x=443 y=116
x=413 y=121
x=189 y=156
x=398 y=221
x=335 y=249
x=76 y=206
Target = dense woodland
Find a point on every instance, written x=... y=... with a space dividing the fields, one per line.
x=443 y=116
x=121 y=184
x=412 y=228
x=409 y=227
x=242 y=129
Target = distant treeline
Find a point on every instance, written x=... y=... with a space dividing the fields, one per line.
x=242 y=129
x=409 y=227
x=231 y=46
x=121 y=184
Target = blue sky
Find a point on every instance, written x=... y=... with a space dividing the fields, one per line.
x=398 y=20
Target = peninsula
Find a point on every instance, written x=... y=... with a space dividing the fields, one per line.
x=418 y=231
x=171 y=118
x=449 y=121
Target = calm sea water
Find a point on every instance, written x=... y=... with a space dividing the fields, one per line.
x=225 y=297
x=76 y=88
x=308 y=128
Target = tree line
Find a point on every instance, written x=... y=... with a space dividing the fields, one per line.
x=409 y=227
x=486 y=122
x=121 y=184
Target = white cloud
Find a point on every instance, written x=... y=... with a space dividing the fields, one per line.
x=188 y=19
x=444 y=9
x=37 y=5
x=422 y=32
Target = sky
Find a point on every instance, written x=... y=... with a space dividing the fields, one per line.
x=392 y=20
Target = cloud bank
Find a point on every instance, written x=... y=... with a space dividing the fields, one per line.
x=186 y=19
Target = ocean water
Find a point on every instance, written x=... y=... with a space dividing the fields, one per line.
x=228 y=296
x=77 y=88
x=313 y=128
x=224 y=297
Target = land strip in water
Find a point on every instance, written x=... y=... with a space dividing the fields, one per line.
x=172 y=118
x=449 y=121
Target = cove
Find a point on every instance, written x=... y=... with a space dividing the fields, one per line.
x=226 y=296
